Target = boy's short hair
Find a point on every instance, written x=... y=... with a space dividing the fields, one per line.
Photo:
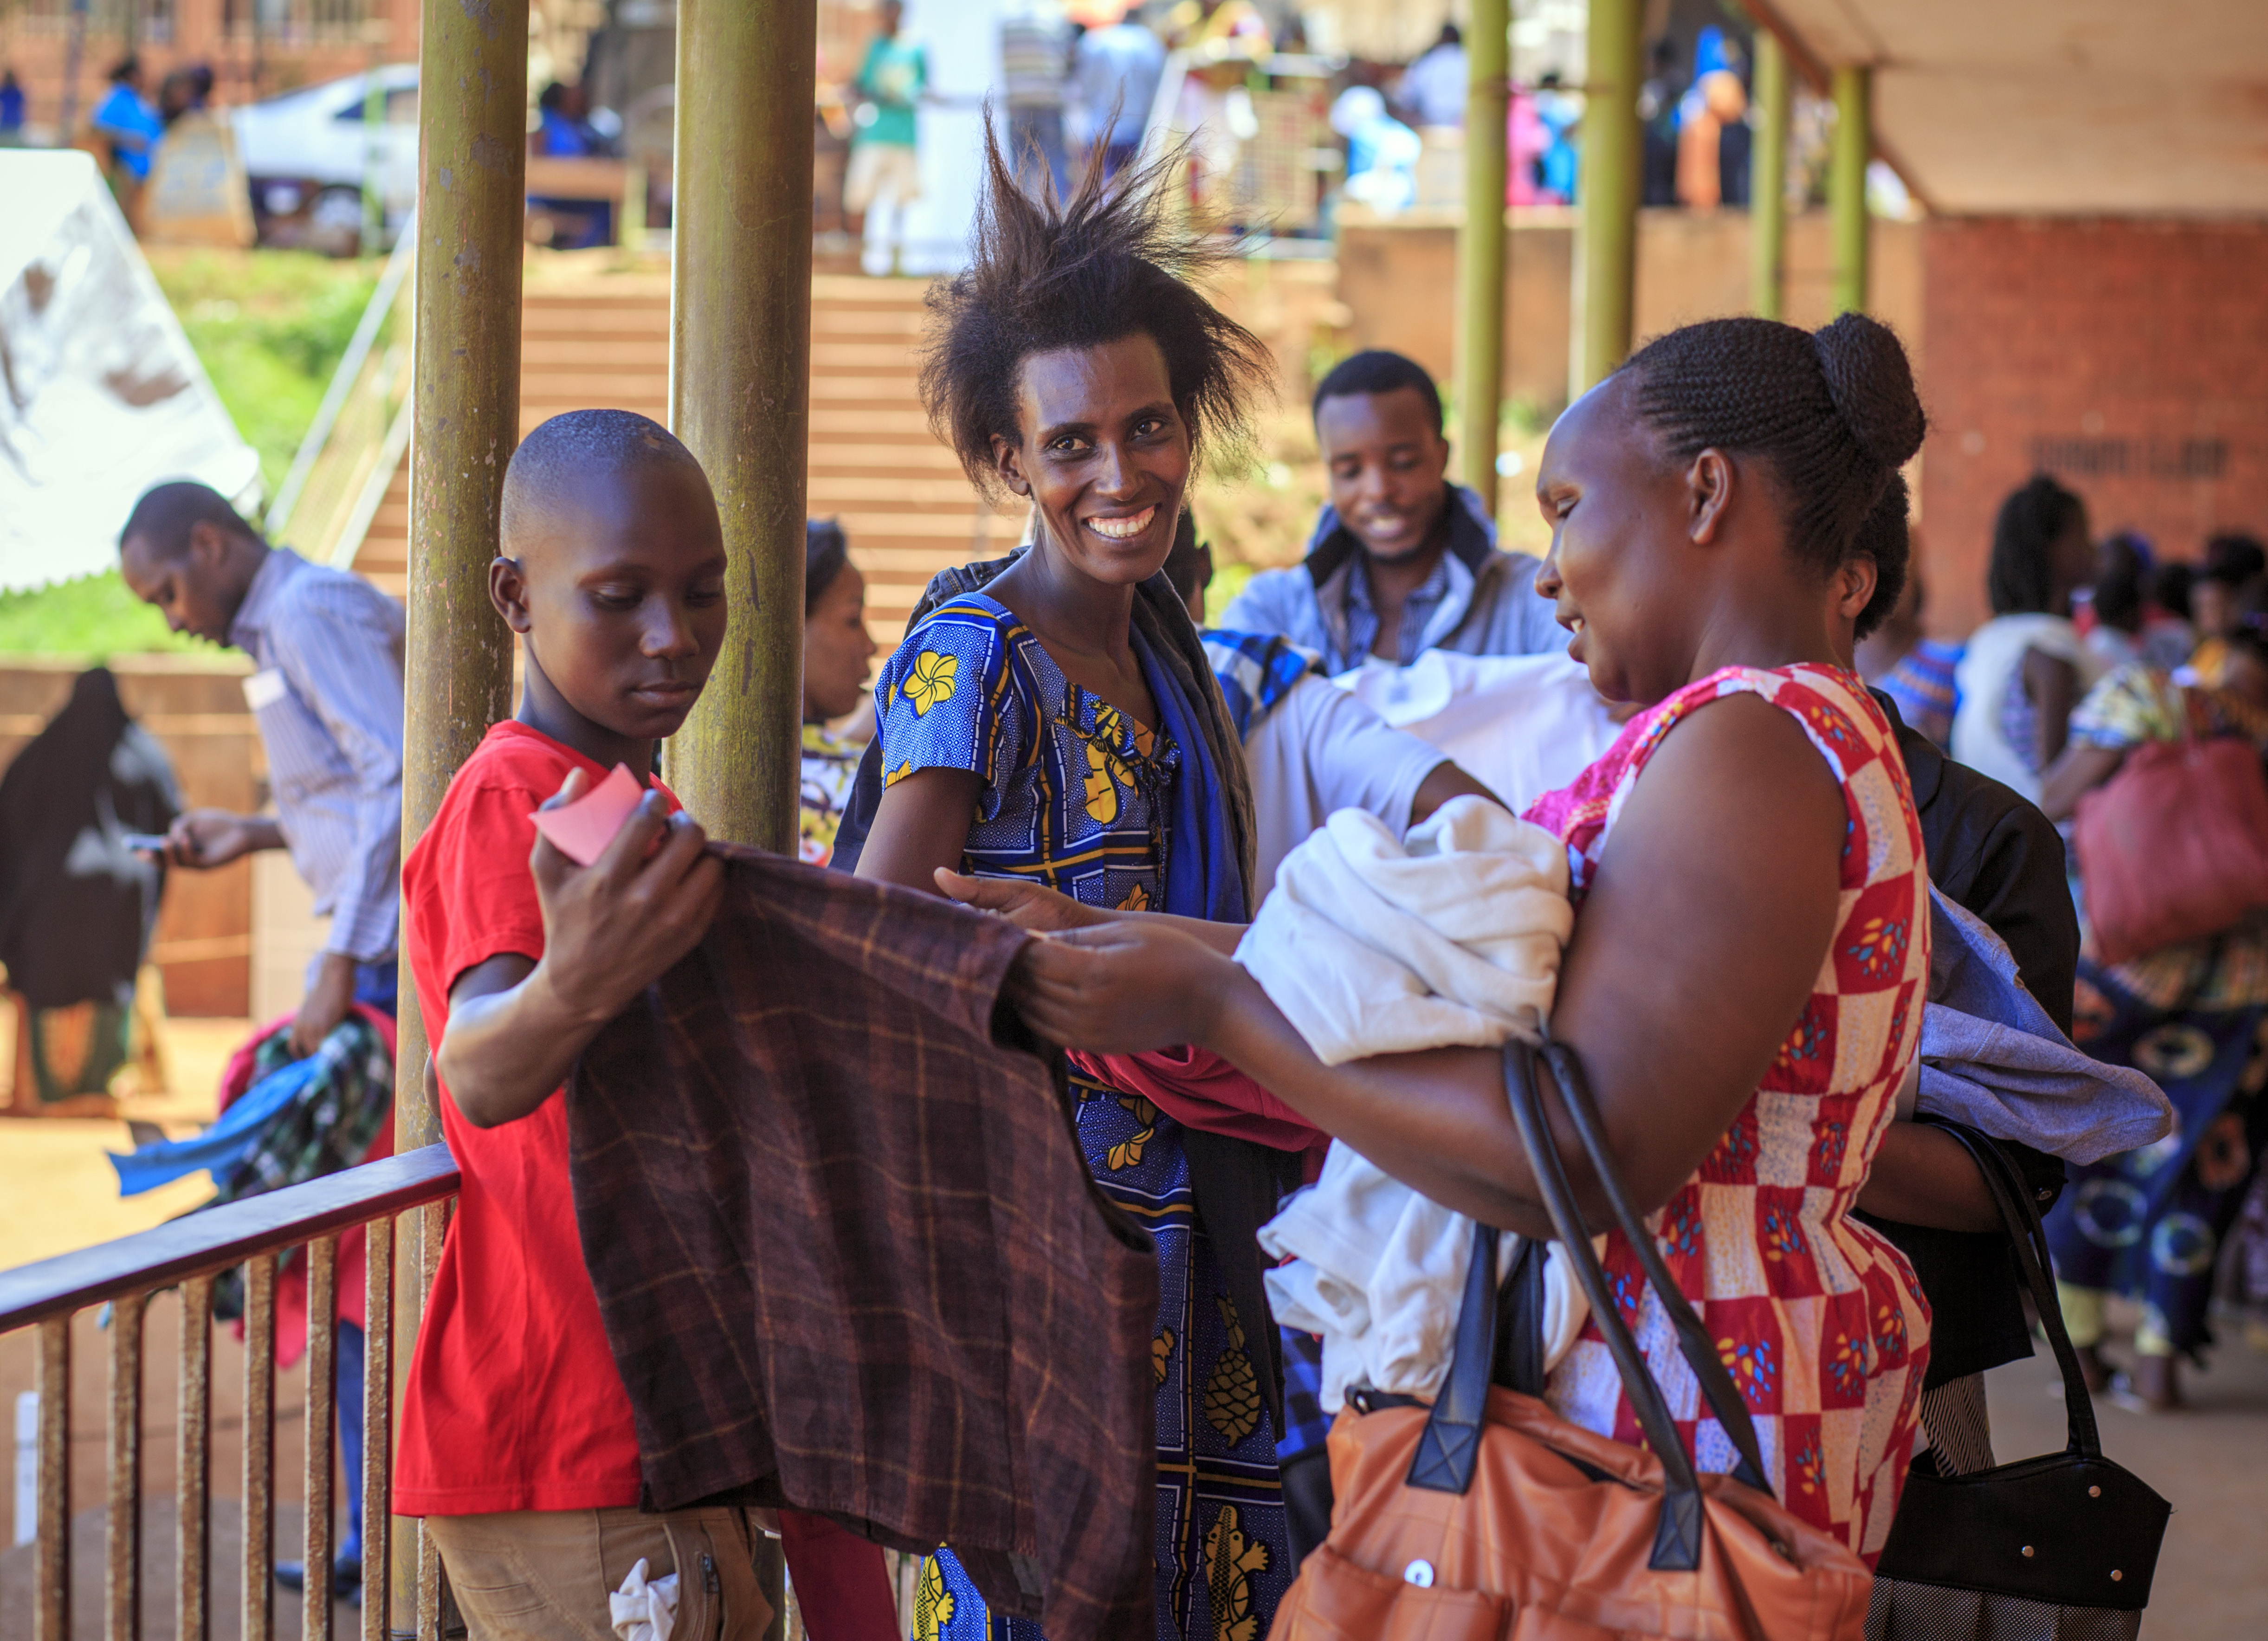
x=578 y=445
x=1377 y=370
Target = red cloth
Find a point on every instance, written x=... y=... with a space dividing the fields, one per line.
x=841 y=1582
x=353 y=1268
x=513 y=1400
x=1200 y=1090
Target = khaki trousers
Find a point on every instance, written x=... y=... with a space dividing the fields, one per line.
x=544 y=1575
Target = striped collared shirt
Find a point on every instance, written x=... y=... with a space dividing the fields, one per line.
x=328 y=696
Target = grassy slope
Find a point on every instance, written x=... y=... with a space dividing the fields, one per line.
x=270 y=326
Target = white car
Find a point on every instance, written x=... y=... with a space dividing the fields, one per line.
x=306 y=152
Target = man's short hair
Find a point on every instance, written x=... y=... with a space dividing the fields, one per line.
x=165 y=514
x=580 y=444
x=1376 y=371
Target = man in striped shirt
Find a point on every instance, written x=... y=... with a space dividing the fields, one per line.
x=328 y=698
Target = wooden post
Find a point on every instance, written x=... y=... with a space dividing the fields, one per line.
x=1606 y=249
x=739 y=365
x=1768 y=179
x=1481 y=249
x=471 y=205
x=1847 y=183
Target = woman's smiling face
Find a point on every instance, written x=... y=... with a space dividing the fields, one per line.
x=1104 y=455
x=1619 y=546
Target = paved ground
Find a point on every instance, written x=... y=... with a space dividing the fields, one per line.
x=56 y=1193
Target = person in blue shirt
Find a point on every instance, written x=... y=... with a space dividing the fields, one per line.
x=128 y=121
x=565 y=132
x=1402 y=560
x=12 y=109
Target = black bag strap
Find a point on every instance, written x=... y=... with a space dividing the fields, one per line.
x=1693 y=1341
x=2028 y=1239
x=1678 y=1536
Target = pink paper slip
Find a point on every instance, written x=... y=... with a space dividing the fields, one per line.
x=582 y=830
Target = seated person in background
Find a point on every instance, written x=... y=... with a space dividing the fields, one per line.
x=1402 y=560
x=1911 y=668
x=2235 y=565
x=1312 y=748
x=517 y=1445
x=836 y=650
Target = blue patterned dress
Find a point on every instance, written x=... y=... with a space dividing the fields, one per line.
x=1077 y=796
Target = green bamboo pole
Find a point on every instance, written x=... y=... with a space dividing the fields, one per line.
x=471 y=192
x=1847 y=183
x=1606 y=251
x=1480 y=248
x=1768 y=179
x=739 y=367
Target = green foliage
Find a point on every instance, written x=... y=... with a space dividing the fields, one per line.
x=270 y=328
x=91 y=617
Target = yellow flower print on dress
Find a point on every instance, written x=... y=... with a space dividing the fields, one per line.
x=1232 y=1395
x=898 y=774
x=1137 y=900
x=1127 y=1153
x=931 y=682
x=1161 y=1354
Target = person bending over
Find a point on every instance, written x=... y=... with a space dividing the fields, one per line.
x=1402 y=560
x=1751 y=951
x=517 y=1441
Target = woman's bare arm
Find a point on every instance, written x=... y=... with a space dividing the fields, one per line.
x=1696 y=952
x=1922 y=1176
x=2052 y=683
x=920 y=827
x=2078 y=771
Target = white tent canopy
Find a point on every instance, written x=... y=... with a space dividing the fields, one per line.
x=100 y=395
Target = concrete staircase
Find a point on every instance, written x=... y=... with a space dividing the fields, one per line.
x=604 y=341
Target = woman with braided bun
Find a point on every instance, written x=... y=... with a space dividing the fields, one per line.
x=1745 y=981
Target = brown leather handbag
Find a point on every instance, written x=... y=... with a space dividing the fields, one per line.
x=1488 y=1515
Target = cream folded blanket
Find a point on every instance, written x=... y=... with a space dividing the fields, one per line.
x=1372 y=946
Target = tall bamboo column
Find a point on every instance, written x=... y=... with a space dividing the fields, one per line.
x=1847 y=183
x=471 y=203
x=740 y=366
x=1768 y=179
x=1481 y=249
x=1606 y=249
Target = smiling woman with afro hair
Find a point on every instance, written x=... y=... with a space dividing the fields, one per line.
x=1052 y=744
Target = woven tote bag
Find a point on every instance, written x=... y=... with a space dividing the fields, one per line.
x=1486 y=1517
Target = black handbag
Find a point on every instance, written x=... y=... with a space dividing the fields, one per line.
x=2059 y=1547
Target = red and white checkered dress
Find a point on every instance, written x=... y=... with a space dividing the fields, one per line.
x=1819 y=1318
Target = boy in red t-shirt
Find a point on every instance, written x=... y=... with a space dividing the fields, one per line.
x=517 y=1441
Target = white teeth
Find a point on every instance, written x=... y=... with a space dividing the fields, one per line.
x=1123 y=529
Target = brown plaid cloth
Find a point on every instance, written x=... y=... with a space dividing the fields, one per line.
x=849 y=1259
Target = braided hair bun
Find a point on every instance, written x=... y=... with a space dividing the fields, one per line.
x=1835 y=414
x=1872 y=383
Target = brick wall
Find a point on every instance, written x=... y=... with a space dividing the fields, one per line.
x=2128 y=358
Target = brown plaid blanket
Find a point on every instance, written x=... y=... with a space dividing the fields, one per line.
x=848 y=1255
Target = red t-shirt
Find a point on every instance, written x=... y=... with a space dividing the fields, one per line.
x=513 y=1400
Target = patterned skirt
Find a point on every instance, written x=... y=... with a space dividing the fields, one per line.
x=2149 y=1222
x=1223 y=1559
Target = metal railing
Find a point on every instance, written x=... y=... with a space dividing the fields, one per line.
x=189 y=1252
